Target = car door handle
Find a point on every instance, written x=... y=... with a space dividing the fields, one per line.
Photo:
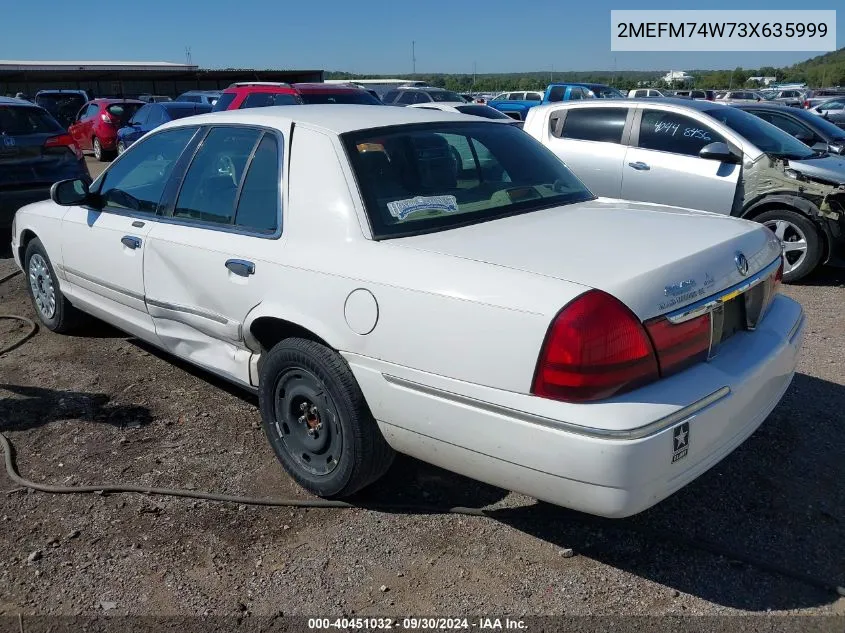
x=130 y=241
x=639 y=166
x=241 y=267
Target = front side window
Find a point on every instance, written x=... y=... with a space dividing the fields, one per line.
x=391 y=95
x=137 y=179
x=445 y=96
x=211 y=184
x=831 y=105
x=556 y=93
x=517 y=96
x=434 y=176
x=157 y=116
x=665 y=131
x=790 y=126
x=604 y=125
x=533 y=96
x=141 y=116
x=407 y=97
x=762 y=135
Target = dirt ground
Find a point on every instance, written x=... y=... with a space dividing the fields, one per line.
x=99 y=406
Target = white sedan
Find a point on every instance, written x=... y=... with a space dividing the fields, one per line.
x=496 y=320
x=472 y=109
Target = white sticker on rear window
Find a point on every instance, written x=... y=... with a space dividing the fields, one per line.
x=401 y=209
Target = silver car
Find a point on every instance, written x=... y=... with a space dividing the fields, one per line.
x=833 y=110
x=741 y=96
x=704 y=155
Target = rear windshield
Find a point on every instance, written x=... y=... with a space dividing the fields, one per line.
x=341 y=96
x=53 y=103
x=123 y=111
x=606 y=92
x=21 y=120
x=434 y=176
x=481 y=110
x=181 y=113
x=445 y=95
x=223 y=102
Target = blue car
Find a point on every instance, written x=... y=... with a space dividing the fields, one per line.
x=152 y=115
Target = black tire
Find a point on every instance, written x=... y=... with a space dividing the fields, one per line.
x=101 y=153
x=798 y=228
x=63 y=317
x=299 y=372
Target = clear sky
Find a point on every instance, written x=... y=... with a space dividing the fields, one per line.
x=366 y=36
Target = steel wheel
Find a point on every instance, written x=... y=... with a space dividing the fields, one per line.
x=307 y=422
x=98 y=149
x=794 y=243
x=42 y=286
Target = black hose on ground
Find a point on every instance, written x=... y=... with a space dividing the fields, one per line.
x=688 y=542
x=33 y=328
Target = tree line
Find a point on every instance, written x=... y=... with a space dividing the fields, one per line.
x=821 y=71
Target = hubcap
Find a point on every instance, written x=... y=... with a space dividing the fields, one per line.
x=41 y=284
x=97 y=149
x=794 y=243
x=121 y=148
x=307 y=422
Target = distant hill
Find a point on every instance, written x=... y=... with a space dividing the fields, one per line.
x=822 y=70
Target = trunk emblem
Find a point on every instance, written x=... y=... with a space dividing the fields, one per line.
x=741 y=263
x=679 y=288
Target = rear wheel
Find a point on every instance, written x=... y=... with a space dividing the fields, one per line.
x=317 y=420
x=121 y=147
x=802 y=243
x=99 y=152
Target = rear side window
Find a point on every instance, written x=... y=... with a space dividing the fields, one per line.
x=533 y=96
x=391 y=95
x=223 y=102
x=670 y=132
x=19 y=121
x=604 y=125
x=557 y=93
x=258 y=205
x=211 y=185
x=264 y=99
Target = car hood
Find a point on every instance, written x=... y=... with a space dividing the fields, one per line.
x=654 y=258
x=829 y=168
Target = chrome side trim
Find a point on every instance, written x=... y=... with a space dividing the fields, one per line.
x=187 y=309
x=796 y=327
x=652 y=428
x=708 y=304
x=103 y=284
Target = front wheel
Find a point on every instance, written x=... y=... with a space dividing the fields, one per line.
x=317 y=421
x=802 y=243
x=53 y=309
x=121 y=147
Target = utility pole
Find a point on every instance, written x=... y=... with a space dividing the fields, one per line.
x=472 y=90
x=188 y=55
x=413 y=58
x=731 y=83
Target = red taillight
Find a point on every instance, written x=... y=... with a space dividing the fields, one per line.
x=63 y=140
x=806 y=105
x=595 y=348
x=679 y=345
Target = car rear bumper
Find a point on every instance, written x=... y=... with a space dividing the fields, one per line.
x=613 y=458
x=14 y=199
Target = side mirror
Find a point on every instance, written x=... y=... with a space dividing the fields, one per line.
x=718 y=151
x=69 y=192
x=821 y=146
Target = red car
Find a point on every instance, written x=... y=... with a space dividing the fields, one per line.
x=256 y=94
x=335 y=93
x=95 y=127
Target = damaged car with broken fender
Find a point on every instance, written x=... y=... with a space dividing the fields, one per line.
x=492 y=317
x=708 y=156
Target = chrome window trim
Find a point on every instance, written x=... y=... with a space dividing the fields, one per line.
x=640 y=432
x=708 y=304
x=231 y=228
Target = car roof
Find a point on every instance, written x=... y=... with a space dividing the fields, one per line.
x=113 y=100
x=627 y=102
x=774 y=107
x=202 y=92
x=334 y=118
x=326 y=88
x=13 y=101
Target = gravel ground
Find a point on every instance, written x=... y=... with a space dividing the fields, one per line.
x=99 y=406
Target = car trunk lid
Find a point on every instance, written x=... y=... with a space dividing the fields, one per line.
x=655 y=259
